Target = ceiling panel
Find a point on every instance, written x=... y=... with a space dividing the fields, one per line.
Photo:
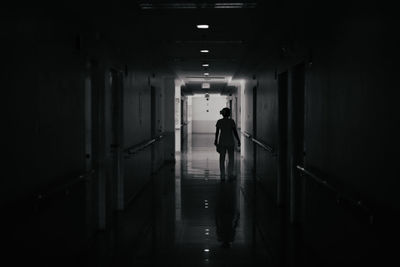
x=231 y=32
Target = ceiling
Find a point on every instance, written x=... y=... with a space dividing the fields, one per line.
x=233 y=28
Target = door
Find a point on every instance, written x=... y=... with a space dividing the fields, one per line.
x=153 y=126
x=88 y=123
x=283 y=140
x=90 y=196
x=254 y=147
x=296 y=157
x=153 y=111
x=183 y=126
x=110 y=184
x=254 y=133
x=115 y=182
x=296 y=137
x=236 y=111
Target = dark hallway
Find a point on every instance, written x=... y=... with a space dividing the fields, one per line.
x=109 y=120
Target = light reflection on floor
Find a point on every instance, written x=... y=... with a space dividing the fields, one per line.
x=214 y=226
x=188 y=217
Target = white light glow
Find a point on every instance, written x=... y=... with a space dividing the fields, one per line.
x=206 y=73
x=202 y=26
x=205 y=65
x=205 y=85
x=204 y=51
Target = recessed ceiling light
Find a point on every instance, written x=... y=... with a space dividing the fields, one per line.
x=202 y=26
x=205 y=65
x=204 y=51
x=206 y=73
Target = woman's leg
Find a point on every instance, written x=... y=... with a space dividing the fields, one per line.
x=231 y=163
x=222 y=161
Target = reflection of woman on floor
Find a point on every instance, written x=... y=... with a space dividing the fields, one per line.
x=226 y=129
x=227 y=213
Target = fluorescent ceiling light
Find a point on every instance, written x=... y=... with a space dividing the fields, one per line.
x=202 y=26
x=204 y=51
x=205 y=65
x=206 y=73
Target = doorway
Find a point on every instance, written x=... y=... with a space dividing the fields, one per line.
x=113 y=197
x=296 y=138
x=254 y=132
x=282 y=139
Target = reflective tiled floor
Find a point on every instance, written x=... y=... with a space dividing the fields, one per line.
x=188 y=217
x=185 y=216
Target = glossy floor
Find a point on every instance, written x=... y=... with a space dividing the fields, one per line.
x=188 y=217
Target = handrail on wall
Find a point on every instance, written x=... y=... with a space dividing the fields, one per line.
x=246 y=134
x=65 y=188
x=341 y=198
x=317 y=179
x=259 y=143
x=136 y=148
x=266 y=147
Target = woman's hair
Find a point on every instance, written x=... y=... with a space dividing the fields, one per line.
x=226 y=112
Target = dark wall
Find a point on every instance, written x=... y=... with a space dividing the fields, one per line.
x=267 y=132
x=350 y=98
x=52 y=57
x=44 y=91
x=349 y=130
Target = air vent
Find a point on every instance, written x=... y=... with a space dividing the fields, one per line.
x=209 y=42
x=194 y=5
x=207 y=78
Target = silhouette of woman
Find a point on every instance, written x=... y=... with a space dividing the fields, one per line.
x=226 y=129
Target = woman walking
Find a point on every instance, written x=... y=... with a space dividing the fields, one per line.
x=226 y=129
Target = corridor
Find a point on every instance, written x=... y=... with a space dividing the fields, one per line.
x=109 y=117
x=193 y=212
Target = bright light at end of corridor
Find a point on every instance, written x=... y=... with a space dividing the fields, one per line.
x=205 y=85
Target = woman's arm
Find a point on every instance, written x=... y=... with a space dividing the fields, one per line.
x=235 y=133
x=216 y=136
